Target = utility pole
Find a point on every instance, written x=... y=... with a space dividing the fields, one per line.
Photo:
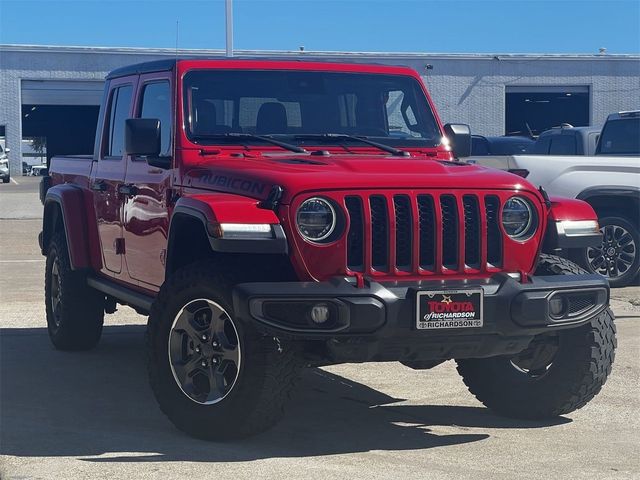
x=229 y=25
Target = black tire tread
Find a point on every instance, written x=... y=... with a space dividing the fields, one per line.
x=591 y=346
x=82 y=307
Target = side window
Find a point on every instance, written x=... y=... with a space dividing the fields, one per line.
x=118 y=112
x=563 y=145
x=156 y=103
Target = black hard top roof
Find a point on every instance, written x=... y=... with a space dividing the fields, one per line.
x=140 y=68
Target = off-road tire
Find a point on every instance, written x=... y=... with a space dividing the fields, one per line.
x=268 y=369
x=579 y=369
x=76 y=323
x=580 y=255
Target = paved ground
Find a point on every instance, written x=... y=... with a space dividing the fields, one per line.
x=92 y=414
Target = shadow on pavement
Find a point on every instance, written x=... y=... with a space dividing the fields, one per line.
x=98 y=405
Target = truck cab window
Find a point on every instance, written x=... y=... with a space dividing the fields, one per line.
x=118 y=112
x=563 y=145
x=156 y=104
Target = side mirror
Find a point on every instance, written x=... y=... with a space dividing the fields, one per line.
x=459 y=136
x=142 y=137
x=7 y=150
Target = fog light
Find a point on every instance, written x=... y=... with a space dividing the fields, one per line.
x=320 y=313
x=557 y=306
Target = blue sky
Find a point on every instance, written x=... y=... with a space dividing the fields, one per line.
x=526 y=26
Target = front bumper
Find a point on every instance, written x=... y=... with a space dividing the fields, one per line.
x=378 y=322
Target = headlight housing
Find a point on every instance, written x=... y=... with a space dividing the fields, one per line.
x=519 y=218
x=316 y=219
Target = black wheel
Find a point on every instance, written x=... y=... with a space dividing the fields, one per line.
x=618 y=257
x=5 y=180
x=75 y=311
x=214 y=377
x=558 y=373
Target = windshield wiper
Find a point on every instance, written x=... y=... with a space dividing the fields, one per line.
x=286 y=146
x=344 y=136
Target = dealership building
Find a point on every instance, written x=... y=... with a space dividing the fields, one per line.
x=49 y=95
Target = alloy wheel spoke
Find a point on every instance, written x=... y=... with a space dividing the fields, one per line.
x=217 y=386
x=625 y=239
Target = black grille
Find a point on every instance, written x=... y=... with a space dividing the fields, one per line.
x=449 y=231
x=355 y=237
x=427 y=232
x=471 y=231
x=379 y=232
x=404 y=223
x=494 y=237
x=580 y=303
x=414 y=223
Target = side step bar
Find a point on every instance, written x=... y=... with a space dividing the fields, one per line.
x=137 y=300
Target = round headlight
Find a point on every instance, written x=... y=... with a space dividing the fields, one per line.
x=316 y=219
x=518 y=218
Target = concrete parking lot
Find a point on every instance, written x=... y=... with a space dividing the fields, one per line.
x=92 y=414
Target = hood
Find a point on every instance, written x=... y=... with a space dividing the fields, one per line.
x=255 y=176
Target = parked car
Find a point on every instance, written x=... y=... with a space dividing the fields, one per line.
x=609 y=181
x=286 y=224
x=508 y=145
x=620 y=135
x=5 y=172
x=567 y=140
x=38 y=170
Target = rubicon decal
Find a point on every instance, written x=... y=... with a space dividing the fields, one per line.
x=450 y=309
x=234 y=183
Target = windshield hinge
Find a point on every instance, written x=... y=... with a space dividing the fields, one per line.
x=272 y=200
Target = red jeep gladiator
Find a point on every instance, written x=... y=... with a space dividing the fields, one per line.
x=271 y=215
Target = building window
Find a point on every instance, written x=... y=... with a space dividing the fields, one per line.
x=532 y=110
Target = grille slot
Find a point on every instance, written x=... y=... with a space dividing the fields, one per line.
x=427 y=226
x=355 y=237
x=379 y=233
x=471 y=231
x=450 y=237
x=404 y=223
x=494 y=236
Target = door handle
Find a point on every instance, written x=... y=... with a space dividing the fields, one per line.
x=128 y=190
x=99 y=186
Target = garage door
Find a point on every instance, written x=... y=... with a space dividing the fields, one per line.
x=57 y=92
x=534 y=109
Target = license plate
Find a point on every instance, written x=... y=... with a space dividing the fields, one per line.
x=440 y=309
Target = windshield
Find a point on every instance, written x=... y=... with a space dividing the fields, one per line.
x=294 y=106
x=621 y=137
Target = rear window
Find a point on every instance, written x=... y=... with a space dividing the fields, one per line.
x=620 y=137
x=118 y=112
x=510 y=147
x=479 y=146
x=541 y=146
x=563 y=145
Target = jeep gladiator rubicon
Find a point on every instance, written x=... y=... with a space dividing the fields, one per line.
x=272 y=215
x=609 y=181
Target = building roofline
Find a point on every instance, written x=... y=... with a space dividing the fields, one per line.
x=309 y=53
